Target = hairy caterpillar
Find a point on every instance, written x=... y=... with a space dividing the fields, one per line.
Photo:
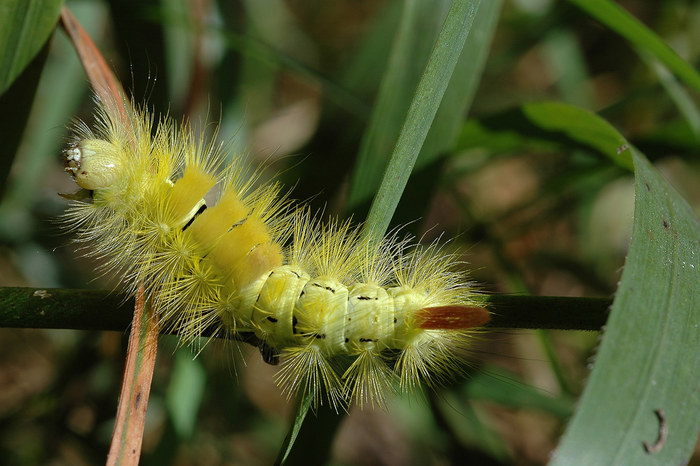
x=346 y=315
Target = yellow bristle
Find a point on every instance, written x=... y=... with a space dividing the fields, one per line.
x=306 y=371
x=187 y=194
x=208 y=227
x=238 y=242
x=263 y=258
x=368 y=378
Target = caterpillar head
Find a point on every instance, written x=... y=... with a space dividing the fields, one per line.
x=94 y=163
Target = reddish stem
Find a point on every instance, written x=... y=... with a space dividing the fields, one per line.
x=127 y=438
x=138 y=373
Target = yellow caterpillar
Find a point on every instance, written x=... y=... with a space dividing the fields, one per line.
x=347 y=316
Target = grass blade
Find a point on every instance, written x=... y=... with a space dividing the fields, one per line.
x=395 y=93
x=297 y=423
x=463 y=84
x=548 y=124
x=421 y=113
x=677 y=93
x=648 y=360
x=25 y=25
x=620 y=21
x=406 y=63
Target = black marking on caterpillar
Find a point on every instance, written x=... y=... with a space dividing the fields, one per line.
x=225 y=266
x=237 y=224
x=189 y=222
x=327 y=288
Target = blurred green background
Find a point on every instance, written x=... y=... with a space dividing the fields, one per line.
x=292 y=85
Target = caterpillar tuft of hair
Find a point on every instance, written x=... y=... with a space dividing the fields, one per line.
x=346 y=316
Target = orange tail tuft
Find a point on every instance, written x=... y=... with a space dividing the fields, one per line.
x=452 y=317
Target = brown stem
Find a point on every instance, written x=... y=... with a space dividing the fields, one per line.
x=127 y=438
x=103 y=81
x=138 y=373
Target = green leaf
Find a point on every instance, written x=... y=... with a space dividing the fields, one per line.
x=564 y=56
x=620 y=21
x=312 y=441
x=506 y=389
x=406 y=63
x=421 y=113
x=15 y=107
x=47 y=111
x=297 y=423
x=185 y=391
x=25 y=25
x=581 y=126
x=463 y=84
x=677 y=93
x=648 y=360
x=544 y=123
x=403 y=72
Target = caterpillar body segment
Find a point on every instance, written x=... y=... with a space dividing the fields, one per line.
x=346 y=316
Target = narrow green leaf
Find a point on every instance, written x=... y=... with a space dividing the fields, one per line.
x=544 y=123
x=421 y=113
x=506 y=389
x=297 y=423
x=406 y=63
x=399 y=83
x=648 y=361
x=25 y=25
x=620 y=21
x=683 y=101
x=499 y=136
x=463 y=84
x=581 y=126
x=455 y=411
x=47 y=112
x=15 y=108
x=312 y=440
x=565 y=58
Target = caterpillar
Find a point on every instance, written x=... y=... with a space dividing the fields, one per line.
x=349 y=318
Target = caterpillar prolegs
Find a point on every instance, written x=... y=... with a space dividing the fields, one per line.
x=346 y=315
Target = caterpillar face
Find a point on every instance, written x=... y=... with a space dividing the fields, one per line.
x=346 y=316
x=93 y=163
